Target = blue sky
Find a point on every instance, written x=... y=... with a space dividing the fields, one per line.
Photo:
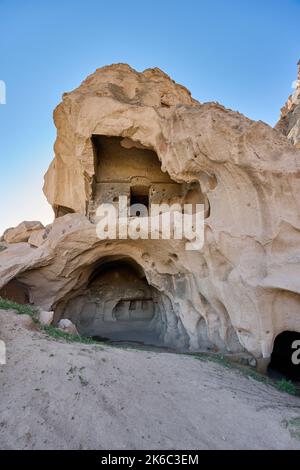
x=242 y=53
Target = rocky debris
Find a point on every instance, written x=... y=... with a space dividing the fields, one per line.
x=22 y=232
x=253 y=362
x=45 y=317
x=67 y=326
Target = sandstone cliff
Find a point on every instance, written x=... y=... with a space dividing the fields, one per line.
x=289 y=122
x=237 y=293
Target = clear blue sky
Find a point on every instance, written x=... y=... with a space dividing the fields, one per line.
x=242 y=53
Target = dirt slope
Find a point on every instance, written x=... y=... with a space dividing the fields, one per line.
x=57 y=395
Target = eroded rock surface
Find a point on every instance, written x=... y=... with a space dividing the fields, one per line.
x=289 y=122
x=241 y=290
x=22 y=232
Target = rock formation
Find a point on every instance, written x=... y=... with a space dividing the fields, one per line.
x=23 y=232
x=143 y=135
x=289 y=122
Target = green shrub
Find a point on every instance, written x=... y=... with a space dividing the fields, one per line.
x=283 y=385
x=26 y=309
x=59 y=334
x=286 y=386
x=56 y=333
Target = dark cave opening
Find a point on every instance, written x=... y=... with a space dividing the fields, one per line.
x=15 y=291
x=139 y=195
x=285 y=356
x=118 y=304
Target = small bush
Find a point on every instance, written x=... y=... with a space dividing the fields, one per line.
x=286 y=386
x=59 y=334
x=56 y=333
x=21 y=309
x=283 y=385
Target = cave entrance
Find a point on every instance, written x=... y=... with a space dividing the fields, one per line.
x=118 y=304
x=15 y=291
x=284 y=355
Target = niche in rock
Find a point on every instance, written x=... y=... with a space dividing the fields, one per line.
x=127 y=168
x=118 y=304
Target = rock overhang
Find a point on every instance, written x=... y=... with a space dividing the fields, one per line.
x=247 y=171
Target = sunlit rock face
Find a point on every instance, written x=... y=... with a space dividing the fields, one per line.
x=143 y=135
x=289 y=122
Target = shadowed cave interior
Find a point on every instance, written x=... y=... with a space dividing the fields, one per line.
x=127 y=168
x=118 y=304
x=281 y=364
x=15 y=291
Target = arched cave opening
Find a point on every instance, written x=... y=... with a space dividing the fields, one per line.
x=284 y=358
x=117 y=302
x=119 y=305
x=15 y=291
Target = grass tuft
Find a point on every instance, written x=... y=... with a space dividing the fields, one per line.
x=286 y=386
x=6 y=304
x=60 y=334
x=56 y=333
x=283 y=385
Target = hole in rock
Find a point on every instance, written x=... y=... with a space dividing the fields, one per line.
x=118 y=304
x=123 y=166
x=139 y=195
x=15 y=291
x=284 y=356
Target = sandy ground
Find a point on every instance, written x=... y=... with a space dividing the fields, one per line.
x=58 y=395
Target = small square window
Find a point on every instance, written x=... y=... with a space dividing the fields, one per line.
x=139 y=195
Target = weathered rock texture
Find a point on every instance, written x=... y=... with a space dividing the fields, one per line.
x=289 y=122
x=237 y=293
x=22 y=232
